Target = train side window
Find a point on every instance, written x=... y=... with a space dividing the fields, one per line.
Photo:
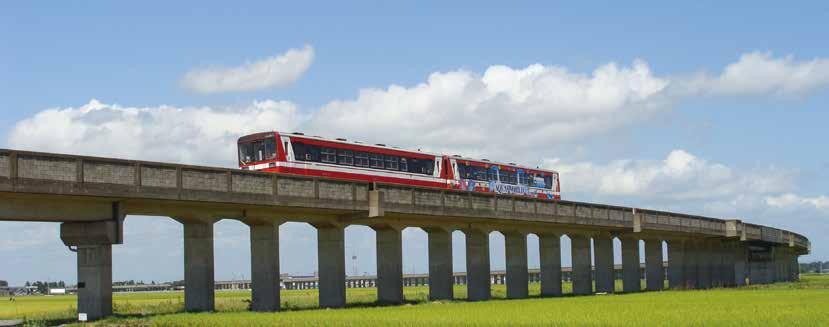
x=480 y=173
x=492 y=175
x=270 y=148
x=345 y=157
x=376 y=160
x=428 y=167
x=328 y=155
x=391 y=163
x=404 y=164
x=548 y=182
x=507 y=177
x=361 y=159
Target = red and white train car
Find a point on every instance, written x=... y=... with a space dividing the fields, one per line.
x=299 y=154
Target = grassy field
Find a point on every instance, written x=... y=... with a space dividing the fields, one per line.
x=804 y=303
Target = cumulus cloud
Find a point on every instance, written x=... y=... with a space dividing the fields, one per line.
x=760 y=73
x=196 y=135
x=680 y=176
x=280 y=70
x=790 y=200
x=519 y=109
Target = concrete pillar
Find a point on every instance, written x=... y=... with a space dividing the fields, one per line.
x=550 y=260
x=690 y=271
x=676 y=264
x=581 y=275
x=704 y=265
x=630 y=264
x=727 y=272
x=516 y=260
x=605 y=277
x=389 y=265
x=440 y=264
x=654 y=269
x=715 y=262
x=264 y=267
x=477 y=265
x=795 y=267
x=95 y=281
x=740 y=259
x=331 y=261
x=198 y=266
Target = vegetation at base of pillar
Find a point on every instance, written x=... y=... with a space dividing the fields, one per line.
x=797 y=303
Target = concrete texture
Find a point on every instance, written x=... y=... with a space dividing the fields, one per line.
x=198 y=267
x=582 y=276
x=691 y=269
x=739 y=264
x=654 y=270
x=389 y=265
x=95 y=280
x=440 y=264
x=331 y=261
x=550 y=261
x=715 y=263
x=516 y=261
x=477 y=265
x=605 y=277
x=676 y=264
x=631 y=274
x=264 y=260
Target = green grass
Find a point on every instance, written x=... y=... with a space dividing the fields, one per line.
x=804 y=303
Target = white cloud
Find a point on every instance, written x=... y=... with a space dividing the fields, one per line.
x=275 y=71
x=504 y=111
x=790 y=200
x=759 y=73
x=196 y=135
x=680 y=176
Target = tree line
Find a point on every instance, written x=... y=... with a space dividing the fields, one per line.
x=814 y=267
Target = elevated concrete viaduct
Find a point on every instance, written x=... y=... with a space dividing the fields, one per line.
x=92 y=196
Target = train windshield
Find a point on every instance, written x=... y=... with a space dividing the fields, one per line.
x=257 y=150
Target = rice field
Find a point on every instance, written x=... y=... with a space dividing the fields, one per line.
x=804 y=303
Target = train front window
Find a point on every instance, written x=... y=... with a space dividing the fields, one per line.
x=258 y=150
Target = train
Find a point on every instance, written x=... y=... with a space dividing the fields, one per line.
x=300 y=154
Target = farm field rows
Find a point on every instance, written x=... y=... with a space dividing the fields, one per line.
x=804 y=303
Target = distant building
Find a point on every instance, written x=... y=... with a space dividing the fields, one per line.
x=4 y=288
x=57 y=291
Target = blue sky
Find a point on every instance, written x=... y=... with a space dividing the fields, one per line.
x=739 y=145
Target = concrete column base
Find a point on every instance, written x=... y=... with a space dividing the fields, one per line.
x=331 y=261
x=264 y=252
x=582 y=274
x=440 y=265
x=477 y=265
x=389 y=265
x=654 y=271
x=517 y=271
x=199 y=280
x=550 y=260
x=631 y=276
x=95 y=281
x=605 y=276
